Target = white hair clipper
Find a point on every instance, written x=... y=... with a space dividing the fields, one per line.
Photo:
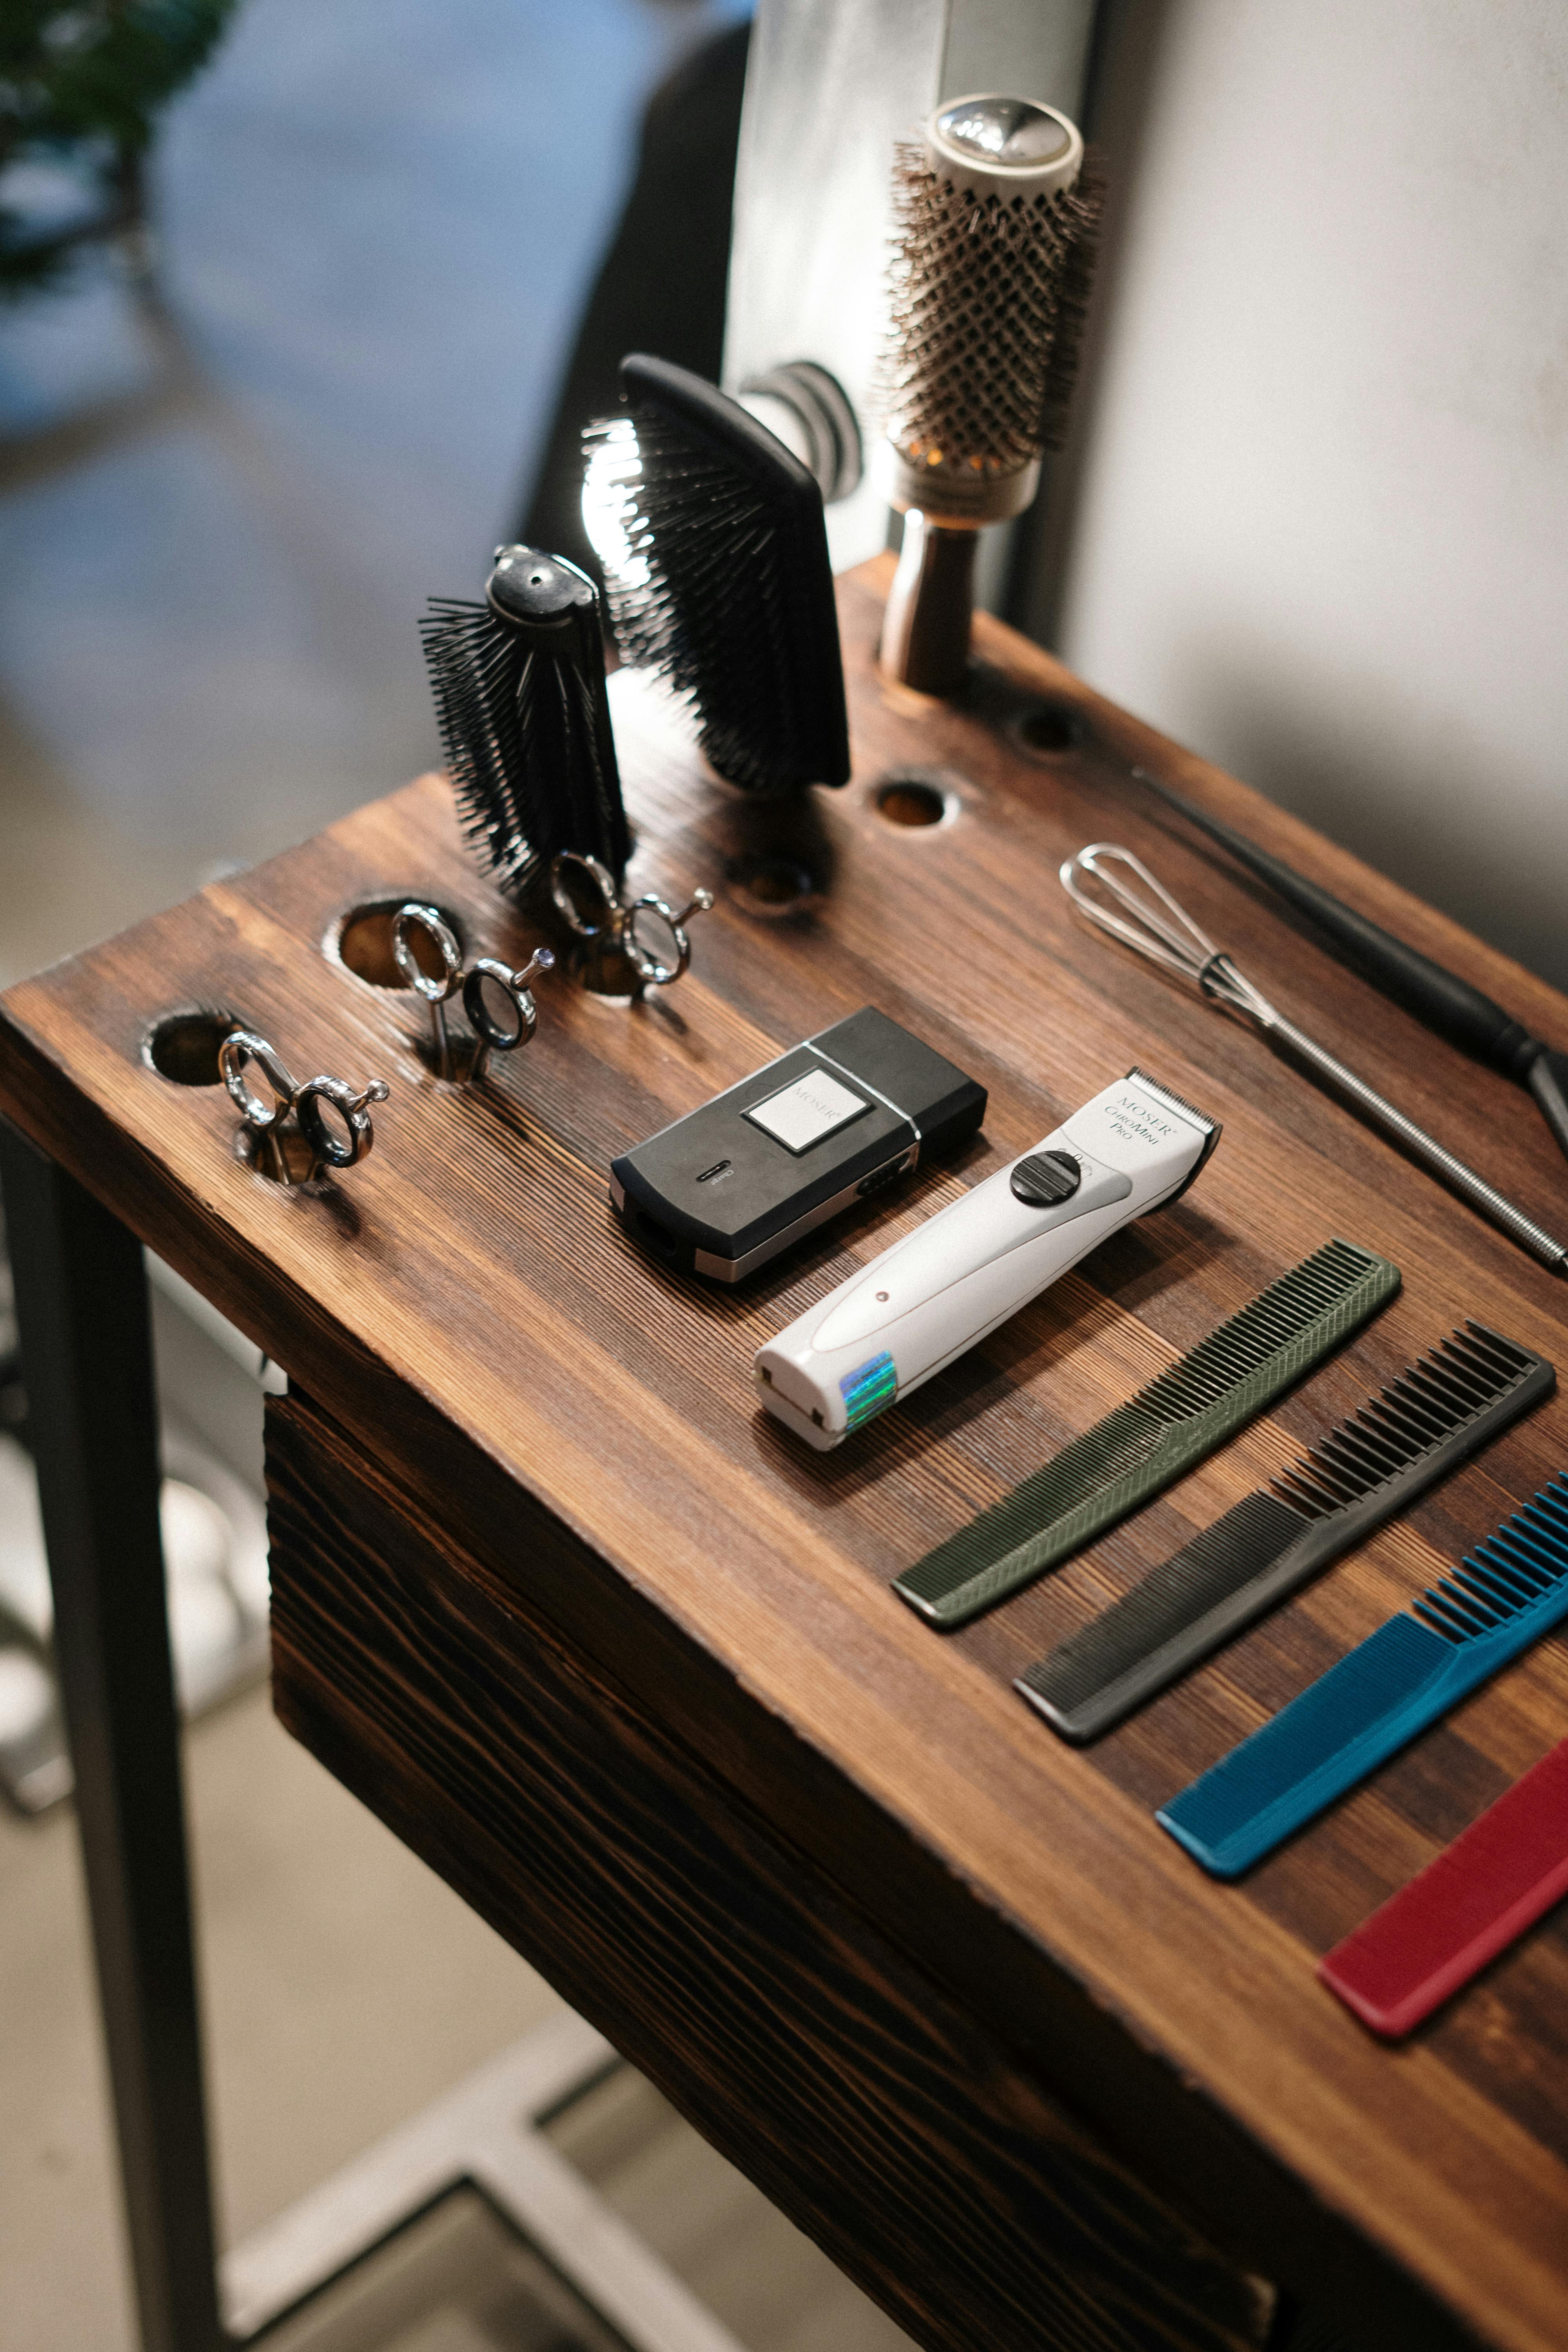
x=1136 y=1147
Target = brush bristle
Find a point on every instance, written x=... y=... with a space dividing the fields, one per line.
x=717 y=578
x=986 y=315
x=527 y=739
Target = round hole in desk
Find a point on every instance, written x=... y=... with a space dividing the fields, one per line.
x=771 y=888
x=1048 y=730
x=183 y=1044
x=361 y=939
x=914 y=802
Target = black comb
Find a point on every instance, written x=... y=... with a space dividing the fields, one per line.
x=715 y=555
x=1135 y=1451
x=1368 y=1468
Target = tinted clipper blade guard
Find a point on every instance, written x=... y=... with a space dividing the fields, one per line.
x=1135 y=1147
x=826 y=1125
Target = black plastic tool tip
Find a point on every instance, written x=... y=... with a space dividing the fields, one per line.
x=537 y=590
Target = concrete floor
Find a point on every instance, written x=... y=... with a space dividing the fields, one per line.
x=220 y=514
x=345 y=1988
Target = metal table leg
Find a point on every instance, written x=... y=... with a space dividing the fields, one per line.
x=81 y=1303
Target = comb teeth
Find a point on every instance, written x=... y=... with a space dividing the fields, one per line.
x=1523 y=1562
x=1275 y=1318
x=1419 y=1410
x=1512 y=1589
x=1373 y=1465
x=1135 y=1451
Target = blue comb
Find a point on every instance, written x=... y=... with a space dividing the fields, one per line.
x=1506 y=1593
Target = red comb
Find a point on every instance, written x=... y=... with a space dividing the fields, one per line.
x=1465 y=1907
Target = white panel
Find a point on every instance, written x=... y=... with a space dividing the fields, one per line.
x=1028 y=46
x=830 y=86
x=1322 y=529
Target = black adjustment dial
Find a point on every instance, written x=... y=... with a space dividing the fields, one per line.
x=1046 y=1178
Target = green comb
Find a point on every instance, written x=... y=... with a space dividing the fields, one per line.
x=1136 y=1451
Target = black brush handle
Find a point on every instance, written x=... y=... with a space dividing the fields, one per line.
x=1440 y=998
x=1547 y=1082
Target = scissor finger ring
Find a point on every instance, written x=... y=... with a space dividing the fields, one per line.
x=429 y=923
x=603 y=884
x=238 y=1048
x=651 y=968
x=499 y=1005
x=346 y=1146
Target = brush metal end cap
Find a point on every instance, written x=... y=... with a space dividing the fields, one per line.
x=996 y=145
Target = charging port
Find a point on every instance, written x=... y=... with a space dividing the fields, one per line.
x=879 y=1177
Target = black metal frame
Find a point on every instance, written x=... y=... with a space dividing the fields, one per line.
x=87 y=1361
x=87 y=1358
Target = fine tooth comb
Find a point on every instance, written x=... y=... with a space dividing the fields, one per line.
x=1173 y=1423
x=1369 y=1467
x=1496 y=1879
x=1504 y=1595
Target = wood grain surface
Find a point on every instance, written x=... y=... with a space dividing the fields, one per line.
x=882 y=2117
x=464 y=1306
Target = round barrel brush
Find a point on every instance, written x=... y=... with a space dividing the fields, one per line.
x=519 y=682
x=995 y=215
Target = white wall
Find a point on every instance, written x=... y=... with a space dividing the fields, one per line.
x=1319 y=525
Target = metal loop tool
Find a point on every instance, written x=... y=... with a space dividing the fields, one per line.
x=497 y=1001
x=648 y=931
x=1157 y=928
x=332 y=1116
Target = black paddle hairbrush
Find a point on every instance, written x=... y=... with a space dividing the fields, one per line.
x=519 y=682
x=715 y=557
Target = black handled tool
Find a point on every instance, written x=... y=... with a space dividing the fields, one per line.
x=1440 y=998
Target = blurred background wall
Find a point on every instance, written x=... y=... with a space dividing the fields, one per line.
x=1316 y=521
x=221 y=511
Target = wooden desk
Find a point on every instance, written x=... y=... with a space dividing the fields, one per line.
x=619 y=1658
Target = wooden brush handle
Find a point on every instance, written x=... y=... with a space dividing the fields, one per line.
x=925 y=631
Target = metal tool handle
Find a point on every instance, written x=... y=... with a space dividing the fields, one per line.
x=1423 y=1147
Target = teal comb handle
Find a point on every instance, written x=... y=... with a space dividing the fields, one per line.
x=1343 y=1727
